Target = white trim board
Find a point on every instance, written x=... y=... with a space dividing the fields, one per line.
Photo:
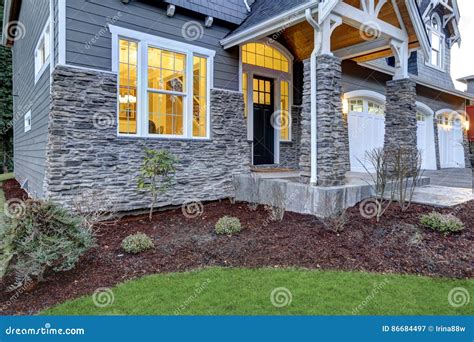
x=61 y=32
x=144 y=41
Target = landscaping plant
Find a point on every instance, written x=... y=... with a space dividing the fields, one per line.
x=46 y=236
x=405 y=165
x=395 y=176
x=137 y=243
x=156 y=173
x=444 y=223
x=381 y=178
x=228 y=225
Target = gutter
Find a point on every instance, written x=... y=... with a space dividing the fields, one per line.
x=314 y=96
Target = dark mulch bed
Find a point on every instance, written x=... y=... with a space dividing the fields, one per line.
x=12 y=189
x=395 y=245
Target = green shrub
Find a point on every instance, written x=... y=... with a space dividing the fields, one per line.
x=137 y=243
x=44 y=236
x=444 y=223
x=228 y=225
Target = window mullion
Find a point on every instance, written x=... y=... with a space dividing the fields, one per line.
x=189 y=77
x=142 y=86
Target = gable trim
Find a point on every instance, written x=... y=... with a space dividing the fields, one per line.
x=287 y=18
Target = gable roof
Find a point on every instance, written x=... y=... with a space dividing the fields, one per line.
x=233 y=11
x=263 y=10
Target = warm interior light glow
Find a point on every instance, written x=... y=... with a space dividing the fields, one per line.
x=127 y=99
x=345 y=106
x=466 y=125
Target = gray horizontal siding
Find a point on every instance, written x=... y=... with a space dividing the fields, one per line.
x=29 y=148
x=356 y=77
x=233 y=11
x=435 y=76
x=85 y=19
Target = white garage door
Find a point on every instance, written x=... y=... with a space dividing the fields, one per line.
x=450 y=136
x=366 y=124
x=425 y=141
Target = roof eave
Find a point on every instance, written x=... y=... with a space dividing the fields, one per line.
x=271 y=25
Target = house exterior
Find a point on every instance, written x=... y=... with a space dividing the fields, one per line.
x=309 y=85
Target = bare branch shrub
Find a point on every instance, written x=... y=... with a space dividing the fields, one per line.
x=337 y=219
x=407 y=174
x=93 y=207
x=381 y=178
x=278 y=203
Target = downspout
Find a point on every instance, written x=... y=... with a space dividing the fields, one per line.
x=314 y=116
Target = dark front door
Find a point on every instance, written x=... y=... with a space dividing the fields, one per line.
x=263 y=132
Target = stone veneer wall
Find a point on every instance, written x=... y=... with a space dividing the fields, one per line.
x=436 y=141
x=290 y=151
x=332 y=136
x=83 y=158
x=400 y=114
x=467 y=155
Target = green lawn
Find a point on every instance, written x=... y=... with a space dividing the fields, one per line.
x=6 y=176
x=218 y=291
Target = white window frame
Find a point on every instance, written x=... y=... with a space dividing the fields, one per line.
x=46 y=41
x=27 y=121
x=277 y=76
x=144 y=41
x=432 y=31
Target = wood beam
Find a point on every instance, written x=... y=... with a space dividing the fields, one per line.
x=363 y=49
x=358 y=18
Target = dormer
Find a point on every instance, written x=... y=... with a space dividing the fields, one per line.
x=441 y=18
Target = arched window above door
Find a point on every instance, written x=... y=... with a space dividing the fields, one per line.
x=264 y=56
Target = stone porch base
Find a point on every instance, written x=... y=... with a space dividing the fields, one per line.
x=304 y=198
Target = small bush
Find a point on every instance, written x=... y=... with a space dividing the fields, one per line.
x=444 y=223
x=137 y=243
x=44 y=236
x=228 y=225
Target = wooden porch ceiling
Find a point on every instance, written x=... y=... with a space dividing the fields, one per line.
x=299 y=38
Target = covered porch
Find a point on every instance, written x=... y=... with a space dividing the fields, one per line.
x=322 y=34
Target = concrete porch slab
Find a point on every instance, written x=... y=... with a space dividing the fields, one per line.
x=442 y=196
x=304 y=198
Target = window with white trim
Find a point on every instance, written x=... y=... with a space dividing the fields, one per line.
x=437 y=43
x=42 y=52
x=28 y=121
x=163 y=86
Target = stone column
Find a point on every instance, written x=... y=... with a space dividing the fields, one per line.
x=400 y=115
x=332 y=136
x=305 y=125
x=467 y=156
